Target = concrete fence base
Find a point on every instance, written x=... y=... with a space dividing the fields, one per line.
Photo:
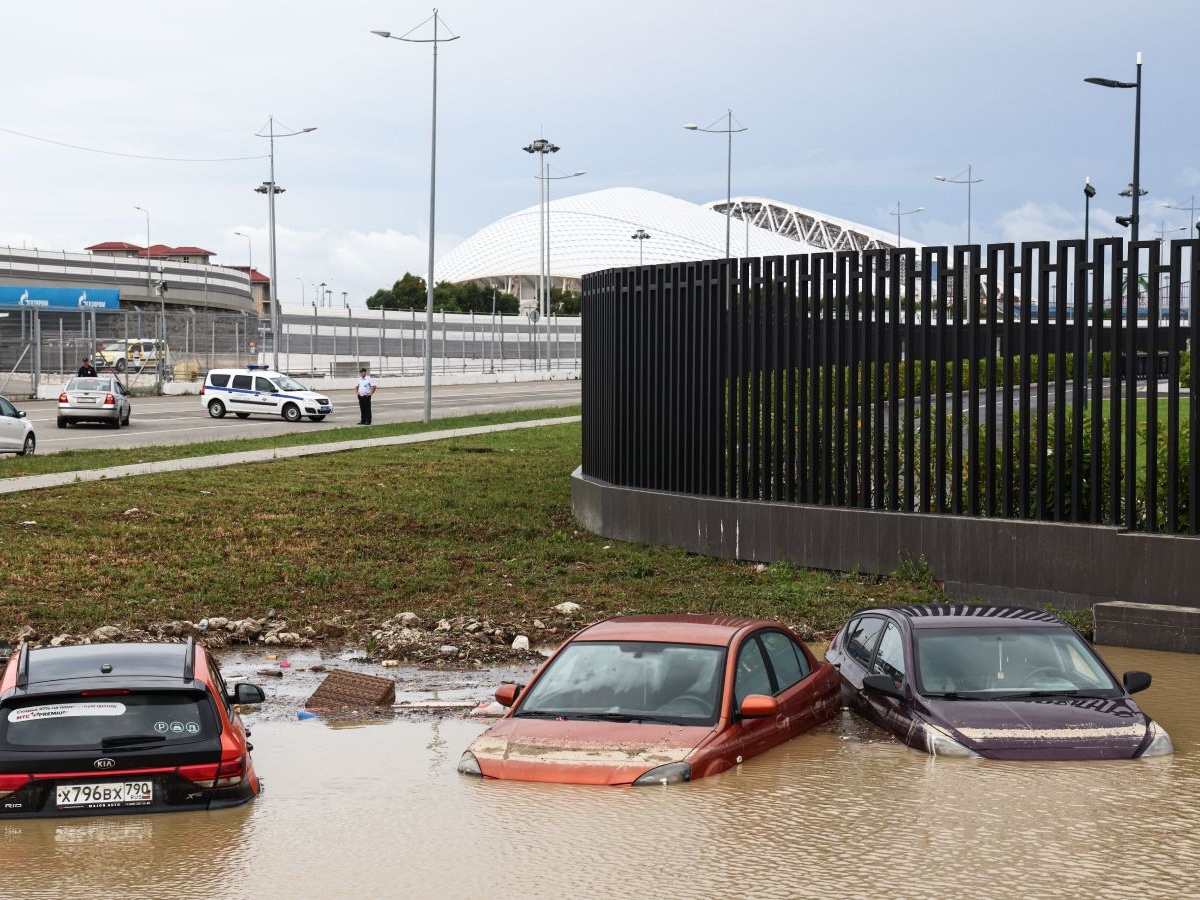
x=1007 y=561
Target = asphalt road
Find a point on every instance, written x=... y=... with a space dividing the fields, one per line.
x=184 y=420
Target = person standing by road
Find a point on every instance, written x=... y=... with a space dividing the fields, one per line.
x=87 y=370
x=366 y=389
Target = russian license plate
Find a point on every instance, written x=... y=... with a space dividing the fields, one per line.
x=325 y=409
x=85 y=400
x=113 y=793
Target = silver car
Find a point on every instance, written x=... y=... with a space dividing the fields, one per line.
x=16 y=431
x=99 y=399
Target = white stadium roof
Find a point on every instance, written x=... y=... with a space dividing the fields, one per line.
x=594 y=231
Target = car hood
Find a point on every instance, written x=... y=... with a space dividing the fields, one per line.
x=1043 y=728
x=304 y=395
x=571 y=751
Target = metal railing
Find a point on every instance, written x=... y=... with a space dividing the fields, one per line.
x=947 y=381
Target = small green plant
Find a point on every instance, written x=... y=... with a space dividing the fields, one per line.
x=914 y=571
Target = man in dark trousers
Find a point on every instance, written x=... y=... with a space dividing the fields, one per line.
x=366 y=388
x=87 y=370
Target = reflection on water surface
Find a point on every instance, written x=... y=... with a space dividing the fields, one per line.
x=378 y=811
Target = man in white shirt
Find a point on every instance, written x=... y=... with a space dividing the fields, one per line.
x=366 y=387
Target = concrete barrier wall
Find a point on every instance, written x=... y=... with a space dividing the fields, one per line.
x=1003 y=560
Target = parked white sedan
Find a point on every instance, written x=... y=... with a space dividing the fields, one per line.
x=97 y=399
x=16 y=431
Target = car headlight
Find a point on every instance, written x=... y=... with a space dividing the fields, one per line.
x=671 y=773
x=939 y=743
x=469 y=765
x=1160 y=742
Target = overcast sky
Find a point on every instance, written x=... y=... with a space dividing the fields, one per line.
x=851 y=108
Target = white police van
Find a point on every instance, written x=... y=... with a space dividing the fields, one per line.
x=256 y=390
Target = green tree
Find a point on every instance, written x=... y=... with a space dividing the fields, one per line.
x=565 y=303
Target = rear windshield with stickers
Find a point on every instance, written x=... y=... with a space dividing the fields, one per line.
x=138 y=718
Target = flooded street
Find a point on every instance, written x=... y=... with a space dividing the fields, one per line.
x=375 y=809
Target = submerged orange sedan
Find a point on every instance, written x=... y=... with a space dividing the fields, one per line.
x=656 y=700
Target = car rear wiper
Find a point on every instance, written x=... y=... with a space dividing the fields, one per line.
x=130 y=740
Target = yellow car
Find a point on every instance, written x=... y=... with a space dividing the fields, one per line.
x=135 y=354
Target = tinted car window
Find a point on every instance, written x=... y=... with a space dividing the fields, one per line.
x=752 y=675
x=890 y=658
x=7 y=409
x=787 y=659
x=221 y=380
x=264 y=384
x=75 y=721
x=242 y=381
x=861 y=636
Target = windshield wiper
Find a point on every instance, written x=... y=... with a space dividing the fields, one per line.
x=1034 y=695
x=619 y=717
x=130 y=740
x=538 y=714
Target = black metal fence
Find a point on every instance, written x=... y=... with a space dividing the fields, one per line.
x=950 y=380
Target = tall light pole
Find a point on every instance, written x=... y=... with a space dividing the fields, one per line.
x=729 y=131
x=541 y=147
x=640 y=236
x=897 y=213
x=270 y=188
x=250 y=261
x=546 y=179
x=301 y=280
x=435 y=40
x=968 y=181
x=1131 y=284
x=162 y=303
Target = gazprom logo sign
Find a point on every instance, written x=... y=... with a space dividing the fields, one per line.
x=59 y=299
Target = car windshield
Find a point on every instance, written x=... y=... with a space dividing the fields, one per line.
x=1001 y=661
x=89 y=384
x=117 y=347
x=629 y=681
x=289 y=384
x=104 y=720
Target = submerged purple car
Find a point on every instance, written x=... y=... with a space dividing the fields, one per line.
x=994 y=681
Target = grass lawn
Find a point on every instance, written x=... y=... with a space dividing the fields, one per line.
x=78 y=460
x=473 y=526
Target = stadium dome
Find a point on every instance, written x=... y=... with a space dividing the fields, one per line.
x=594 y=231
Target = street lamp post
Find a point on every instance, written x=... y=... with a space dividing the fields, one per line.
x=968 y=181
x=541 y=147
x=162 y=303
x=898 y=214
x=729 y=131
x=546 y=179
x=1131 y=286
x=435 y=40
x=640 y=236
x=270 y=188
x=249 y=262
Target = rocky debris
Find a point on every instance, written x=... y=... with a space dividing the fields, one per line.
x=567 y=608
x=520 y=642
x=107 y=633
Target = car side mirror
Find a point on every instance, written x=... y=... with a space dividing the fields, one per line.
x=246 y=694
x=758 y=706
x=507 y=693
x=883 y=684
x=1136 y=681
x=20 y=413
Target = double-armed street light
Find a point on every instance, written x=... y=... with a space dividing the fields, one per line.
x=729 y=131
x=270 y=188
x=898 y=214
x=968 y=181
x=435 y=40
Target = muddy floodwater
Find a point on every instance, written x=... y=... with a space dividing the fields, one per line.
x=375 y=809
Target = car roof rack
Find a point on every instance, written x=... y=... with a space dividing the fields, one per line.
x=189 y=659
x=23 y=665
